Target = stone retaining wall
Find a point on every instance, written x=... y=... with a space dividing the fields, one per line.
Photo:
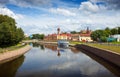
x=10 y=55
x=105 y=54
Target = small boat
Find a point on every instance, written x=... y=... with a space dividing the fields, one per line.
x=63 y=44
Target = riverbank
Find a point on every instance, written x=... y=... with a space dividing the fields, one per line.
x=112 y=47
x=104 y=54
x=10 y=55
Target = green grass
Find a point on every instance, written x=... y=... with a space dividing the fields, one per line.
x=2 y=50
x=115 y=42
x=112 y=48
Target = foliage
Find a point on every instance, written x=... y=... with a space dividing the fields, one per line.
x=38 y=36
x=108 y=31
x=99 y=35
x=114 y=31
x=102 y=35
x=103 y=39
x=118 y=30
x=73 y=32
x=9 y=33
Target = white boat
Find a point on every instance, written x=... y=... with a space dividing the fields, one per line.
x=63 y=44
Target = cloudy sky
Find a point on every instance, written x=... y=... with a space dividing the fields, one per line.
x=45 y=16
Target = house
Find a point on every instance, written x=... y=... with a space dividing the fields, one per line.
x=117 y=36
x=58 y=36
x=83 y=36
x=75 y=37
x=62 y=36
x=51 y=37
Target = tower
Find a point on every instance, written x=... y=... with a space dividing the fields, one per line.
x=58 y=30
x=88 y=30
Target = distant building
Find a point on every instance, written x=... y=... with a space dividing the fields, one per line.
x=117 y=36
x=75 y=37
x=61 y=36
x=84 y=36
x=51 y=37
x=58 y=36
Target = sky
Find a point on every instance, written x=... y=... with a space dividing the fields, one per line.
x=45 y=16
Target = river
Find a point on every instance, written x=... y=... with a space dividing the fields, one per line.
x=51 y=61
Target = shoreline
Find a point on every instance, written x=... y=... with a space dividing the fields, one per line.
x=102 y=53
x=11 y=55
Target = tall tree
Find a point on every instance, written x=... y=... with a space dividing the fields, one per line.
x=114 y=31
x=9 y=33
x=118 y=30
x=108 y=30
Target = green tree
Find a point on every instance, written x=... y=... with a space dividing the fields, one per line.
x=99 y=35
x=114 y=31
x=118 y=30
x=108 y=31
x=9 y=33
x=38 y=36
x=73 y=32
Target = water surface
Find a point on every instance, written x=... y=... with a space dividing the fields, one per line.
x=50 y=61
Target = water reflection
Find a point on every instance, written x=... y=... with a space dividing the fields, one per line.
x=38 y=45
x=9 y=69
x=113 y=68
x=52 y=61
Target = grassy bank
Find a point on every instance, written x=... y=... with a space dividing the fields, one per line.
x=107 y=47
x=115 y=42
x=11 y=48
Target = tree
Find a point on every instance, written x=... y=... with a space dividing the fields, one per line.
x=73 y=32
x=114 y=31
x=118 y=30
x=9 y=33
x=38 y=36
x=108 y=31
x=99 y=35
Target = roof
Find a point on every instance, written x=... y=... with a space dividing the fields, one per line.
x=75 y=34
x=86 y=35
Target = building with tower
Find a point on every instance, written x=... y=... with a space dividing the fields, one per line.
x=83 y=36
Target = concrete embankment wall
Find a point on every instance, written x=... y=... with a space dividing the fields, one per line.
x=105 y=54
x=10 y=55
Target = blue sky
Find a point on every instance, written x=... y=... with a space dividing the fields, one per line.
x=45 y=16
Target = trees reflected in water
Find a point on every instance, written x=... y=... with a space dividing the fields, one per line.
x=38 y=45
x=9 y=69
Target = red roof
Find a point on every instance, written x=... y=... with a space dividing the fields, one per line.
x=86 y=35
x=54 y=34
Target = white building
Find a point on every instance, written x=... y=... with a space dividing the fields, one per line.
x=117 y=36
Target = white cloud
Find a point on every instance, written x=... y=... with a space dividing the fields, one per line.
x=110 y=4
x=6 y=11
x=89 y=7
x=67 y=18
x=62 y=11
